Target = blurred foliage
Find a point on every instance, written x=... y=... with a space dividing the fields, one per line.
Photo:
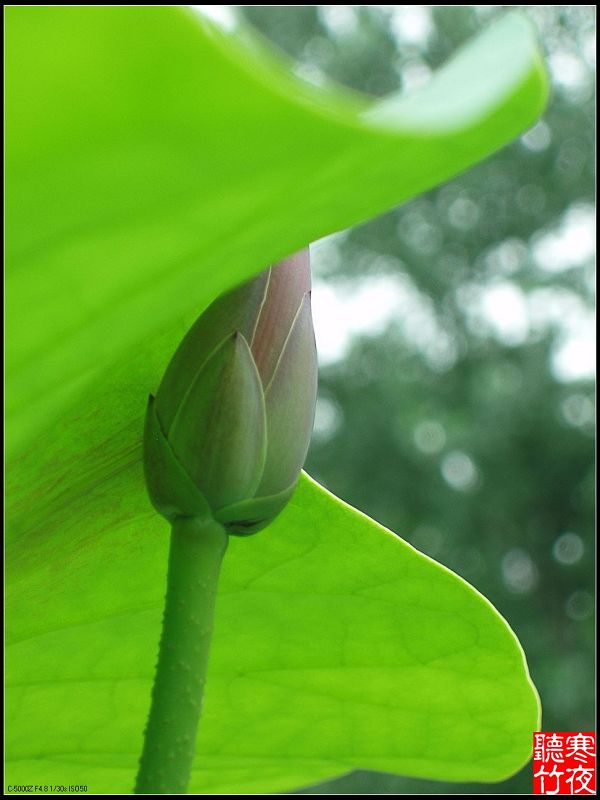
x=466 y=425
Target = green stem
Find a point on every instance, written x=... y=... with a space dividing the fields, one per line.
x=197 y=549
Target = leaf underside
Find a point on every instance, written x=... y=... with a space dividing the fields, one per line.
x=153 y=162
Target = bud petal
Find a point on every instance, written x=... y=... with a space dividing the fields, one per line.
x=219 y=431
x=287 y=284
x=290 y=400
x=234 y=311
x=250 y=516
x=172 y=491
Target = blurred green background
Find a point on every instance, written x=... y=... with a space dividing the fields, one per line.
x=456 y=340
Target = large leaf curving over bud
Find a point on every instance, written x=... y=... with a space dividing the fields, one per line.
x=228 y=430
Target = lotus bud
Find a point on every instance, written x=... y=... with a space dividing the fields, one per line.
x=229 y=428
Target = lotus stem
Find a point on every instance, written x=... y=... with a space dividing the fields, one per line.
x=196 y=553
